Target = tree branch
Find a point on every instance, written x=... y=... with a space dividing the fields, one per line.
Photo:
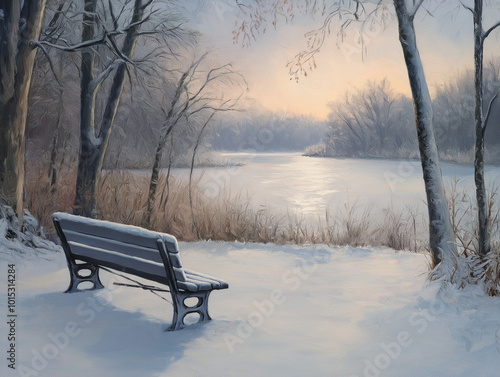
x=90 y=43
x=145 y=5
x=488 y=113
x=96 y=82
x=467 y=7
x=416 y=6
x=488 y=32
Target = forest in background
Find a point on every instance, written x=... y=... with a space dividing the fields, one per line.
x=375 y=121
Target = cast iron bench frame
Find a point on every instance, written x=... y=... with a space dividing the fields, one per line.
x=137 y=251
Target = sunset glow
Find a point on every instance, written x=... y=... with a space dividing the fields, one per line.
x=445 y=48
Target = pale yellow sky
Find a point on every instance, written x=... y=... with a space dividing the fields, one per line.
x=445 y=43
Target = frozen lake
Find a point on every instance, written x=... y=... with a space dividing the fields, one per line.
x=306 y=185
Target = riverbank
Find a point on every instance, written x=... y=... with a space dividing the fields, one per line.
x=278 y=198
x=491 y=157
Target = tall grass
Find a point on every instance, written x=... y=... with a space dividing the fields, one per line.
x=122 y=197
x=463 y=213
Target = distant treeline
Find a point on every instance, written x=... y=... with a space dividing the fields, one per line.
x=263 y=131
x=374 y=121
x=54 y=110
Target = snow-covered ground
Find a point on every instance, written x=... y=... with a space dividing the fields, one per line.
x=289 y=311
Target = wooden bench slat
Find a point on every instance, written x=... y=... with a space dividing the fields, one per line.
x=189 y=286
x=115 y=246
x=132 y=271
x=125 y=233
x=179 y=274
x=204 y=284
x=171 y=243
x=175 y=260
x=214 y=283
x=110 y=259
x=208 y=277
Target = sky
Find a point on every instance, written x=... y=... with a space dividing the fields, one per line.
x=444 y=38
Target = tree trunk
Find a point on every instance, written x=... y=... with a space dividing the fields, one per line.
x=17 y=57
x=166 y=188
x=194 y=226
x=119 y=81
x=482 y=212
x=153 y=183
x=171 y=120
x=93 y=147
x=87 y=160
x=441 y=237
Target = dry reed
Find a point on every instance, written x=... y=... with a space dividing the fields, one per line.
x=122 y=197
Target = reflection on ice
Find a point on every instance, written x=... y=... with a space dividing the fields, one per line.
x=289 y=182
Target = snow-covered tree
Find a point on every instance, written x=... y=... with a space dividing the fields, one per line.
x=20 y=24
x=199 y=95
x=341 y=15
x=371 y=121
x=108 y=41
x=480 y=122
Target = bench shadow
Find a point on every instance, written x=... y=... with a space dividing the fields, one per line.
x=123 y=342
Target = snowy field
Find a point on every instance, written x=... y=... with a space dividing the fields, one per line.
x=289 y=311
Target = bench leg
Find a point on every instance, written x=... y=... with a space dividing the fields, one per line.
x=181 y=309
x=76 y=278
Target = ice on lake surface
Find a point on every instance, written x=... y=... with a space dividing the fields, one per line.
x=306 y=185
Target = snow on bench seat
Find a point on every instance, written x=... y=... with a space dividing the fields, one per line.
x=137 y=251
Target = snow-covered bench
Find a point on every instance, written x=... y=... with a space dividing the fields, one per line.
x=90 y=243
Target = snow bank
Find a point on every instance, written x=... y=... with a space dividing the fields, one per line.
x=289 y=311
x=22 y=238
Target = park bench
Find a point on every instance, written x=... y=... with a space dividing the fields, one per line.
x=90 y=244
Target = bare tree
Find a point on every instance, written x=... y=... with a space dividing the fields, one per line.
x=197 y=96
x=371 y=122
x=20 y=24
x=347 y=13
x=480 y=122
x=108 y=39
x=441 y=235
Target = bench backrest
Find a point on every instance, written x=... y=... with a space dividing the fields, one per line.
x=148 y=254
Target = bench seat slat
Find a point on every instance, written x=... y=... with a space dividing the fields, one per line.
x=214 y=283
x=195 y=283
x=153 y=271
x=114 y=246
x=203 y=285
x=188 y=286
x=179 y=274
x=191 y=274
